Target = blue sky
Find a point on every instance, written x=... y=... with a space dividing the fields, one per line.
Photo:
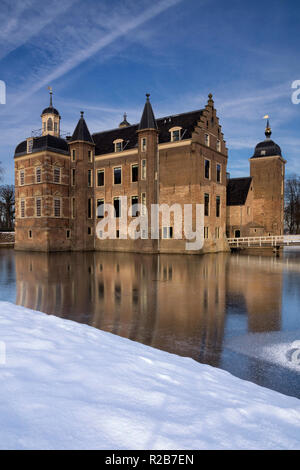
x=103 y=56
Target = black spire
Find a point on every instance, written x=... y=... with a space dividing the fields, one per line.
x=268 y=131
x=148 y=120
x=81 y=131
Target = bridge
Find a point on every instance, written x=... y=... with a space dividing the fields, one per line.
x=275 y=241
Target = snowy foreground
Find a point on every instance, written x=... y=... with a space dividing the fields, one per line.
x=68 y=386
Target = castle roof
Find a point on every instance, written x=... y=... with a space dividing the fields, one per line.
x=148 y=120
x=45 y=142
x=50 y=110
x=267 y=148
x=237 y=191
x=187 y=121
x=81 y=131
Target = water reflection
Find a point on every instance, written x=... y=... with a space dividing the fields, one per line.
x=186 y=305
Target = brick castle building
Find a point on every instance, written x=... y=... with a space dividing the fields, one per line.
x=63 y=183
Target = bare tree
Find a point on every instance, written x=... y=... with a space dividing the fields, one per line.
x=7 y=206
x=292 y=204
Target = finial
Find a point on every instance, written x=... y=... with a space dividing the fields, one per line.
x=148 y=96
x=210 y=96
x=125 y=116
x=50 y=92
x=82 y=113
x=268 y=131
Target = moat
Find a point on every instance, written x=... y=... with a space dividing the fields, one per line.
x=236 y=312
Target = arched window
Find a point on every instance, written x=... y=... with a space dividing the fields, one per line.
x=55 y=127
x=49 y=125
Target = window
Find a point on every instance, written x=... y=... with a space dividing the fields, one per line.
x=117 y=233
x=134 y=202
x=218 y=145
x=73 y=176
x=38 y=207
x=144 y=144
x=217 y=232
x=29 y=145
x=90 y=178
x=206 y=205
x=134 y=173
x=38 y=175
x=218 y=173
x=29 y=233
x=167 y=232
x=57 y=205
x=22 y=208
x=176 y=135
x=89 y=230
x=22 y=178
x=73 y=207
x=100 y=178
x=73 y=155
x=100 y=208
x=117 y=175
x=49 y=125
x=248 y=210
x=56 y=175
x=68 y=233
x=89 y=208
x=143 y=203
x=118 y=145
x=207 y=169
x=90 y=155
x=205 y=232
x=218 y=206
x=117 y=207
x=144 y=169
x=45 y=125
x=206 y=140
x=55 y=127
x=263 y=152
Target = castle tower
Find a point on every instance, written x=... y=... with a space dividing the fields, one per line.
x=148 y=164
x=50 y=119
x=267 y=170
x=82 y=173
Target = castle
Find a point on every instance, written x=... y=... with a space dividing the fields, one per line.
x=63 y=183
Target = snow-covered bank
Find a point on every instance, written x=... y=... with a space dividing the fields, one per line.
x=67 y=386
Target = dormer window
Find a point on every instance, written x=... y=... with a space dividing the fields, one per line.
x=118 y=145
x=263 y=152
x=175 y=134
x=29 y=145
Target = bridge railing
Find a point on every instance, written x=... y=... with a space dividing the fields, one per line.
x=273 y=240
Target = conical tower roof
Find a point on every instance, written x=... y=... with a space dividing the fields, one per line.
x=82 y=132
x=148 y=119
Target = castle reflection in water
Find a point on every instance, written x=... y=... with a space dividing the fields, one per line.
x=171 y=302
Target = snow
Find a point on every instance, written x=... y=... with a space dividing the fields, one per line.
x=276 y=347
x=69 y=386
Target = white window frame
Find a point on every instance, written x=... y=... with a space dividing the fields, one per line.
x=117 y=168
x=55 y=169
x=57 y=199
x=144 y=144
x=209 y=177
x=38 y=199
x=218 y=164
x=134 y=165
x=22 y=177
x=144 y=169
x=166 y=233
x=117 y=143
x=207 y=139
x=38 y=169
x=101 y=170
